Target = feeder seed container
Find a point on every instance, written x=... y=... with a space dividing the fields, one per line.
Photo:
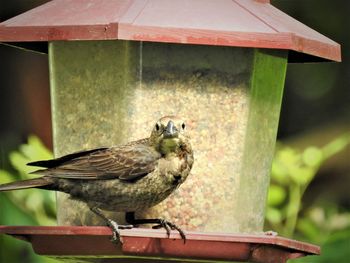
x=116 y=66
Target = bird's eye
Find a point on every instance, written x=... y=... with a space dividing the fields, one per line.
x=183 y=126
x=157 y=127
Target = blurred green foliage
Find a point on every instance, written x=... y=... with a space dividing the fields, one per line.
x=27 y=207
x=326 y=225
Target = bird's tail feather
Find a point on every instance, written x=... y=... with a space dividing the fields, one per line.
x=25 y=184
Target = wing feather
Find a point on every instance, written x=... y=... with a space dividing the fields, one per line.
x=128 y=162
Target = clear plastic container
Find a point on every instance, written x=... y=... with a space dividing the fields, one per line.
x=230 y=98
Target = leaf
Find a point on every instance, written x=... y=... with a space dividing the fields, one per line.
x=308 y=228
x=279 y=173
x=18 y=161
x=34 y=201
x=336 y=145
x=37 y=150
x=276 y=195
x=273 y=215
x=339 y=221
x=5 y=177
x=31 y=151
x=302 y=175
x=312 y=156
x=289 y=156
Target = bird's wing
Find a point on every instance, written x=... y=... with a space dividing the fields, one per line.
x=129 y=162
x=58 y=161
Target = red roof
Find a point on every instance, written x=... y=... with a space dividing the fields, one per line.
x=242 y=23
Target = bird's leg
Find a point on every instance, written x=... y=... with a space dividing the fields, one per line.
x=112 y=224
x=160 y=223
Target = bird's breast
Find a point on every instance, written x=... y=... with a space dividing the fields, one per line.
x=170 y=164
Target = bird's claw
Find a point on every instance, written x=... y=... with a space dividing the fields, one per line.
x=116 y=238
x=168 y=226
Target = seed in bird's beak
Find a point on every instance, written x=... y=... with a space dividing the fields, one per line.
x=170 y=130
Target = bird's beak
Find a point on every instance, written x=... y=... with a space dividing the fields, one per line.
x=170 y=131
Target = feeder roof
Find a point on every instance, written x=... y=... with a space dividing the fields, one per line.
x=241 y=23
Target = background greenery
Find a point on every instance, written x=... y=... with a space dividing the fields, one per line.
x=323 y=223
x=29 y=207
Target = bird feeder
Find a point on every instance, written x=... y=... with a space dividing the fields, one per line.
x=117 y=66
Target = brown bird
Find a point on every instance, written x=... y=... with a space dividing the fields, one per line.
x=126 y=178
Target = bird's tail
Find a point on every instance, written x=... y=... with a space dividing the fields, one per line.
x=25 y=184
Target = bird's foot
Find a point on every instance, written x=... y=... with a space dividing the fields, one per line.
x=116 y=237
x=169 y=226
x=160 y=223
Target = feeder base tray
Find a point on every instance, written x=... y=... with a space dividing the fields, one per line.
x=149 y=245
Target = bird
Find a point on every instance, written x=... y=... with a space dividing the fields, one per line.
x=122 y=178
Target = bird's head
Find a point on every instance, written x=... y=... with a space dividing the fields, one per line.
x=169 y=134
